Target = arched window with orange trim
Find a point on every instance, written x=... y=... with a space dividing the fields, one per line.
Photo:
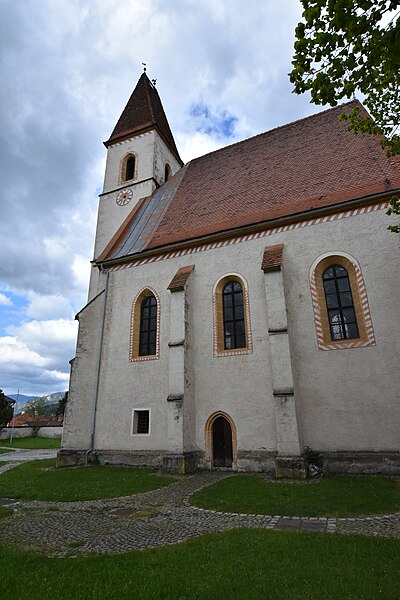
x=232 y=331
x=145 y=326
x=340 y=303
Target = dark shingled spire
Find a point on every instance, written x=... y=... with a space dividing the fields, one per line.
x=143 y=111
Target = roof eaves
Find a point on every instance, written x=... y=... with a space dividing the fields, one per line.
x=250 y=228
x=88 y=304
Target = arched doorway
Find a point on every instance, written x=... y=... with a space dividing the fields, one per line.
x=220 y=433
x=222 y=443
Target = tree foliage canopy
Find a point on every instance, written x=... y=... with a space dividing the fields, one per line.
x=36 y=406
x=345 y=46
x=61 y=406
x=6 y=410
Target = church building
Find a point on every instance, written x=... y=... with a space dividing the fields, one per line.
x=243 y=307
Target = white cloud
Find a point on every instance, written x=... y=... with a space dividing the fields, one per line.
x=81 y=62
x=35 y=356
x=14 y=353
x=48 y=306
x=196 y=144
x=5 y=300
x=49 y=338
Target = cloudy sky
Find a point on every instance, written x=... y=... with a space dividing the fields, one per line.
x=67 y=70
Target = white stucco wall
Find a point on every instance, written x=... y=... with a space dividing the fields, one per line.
x=345 y=399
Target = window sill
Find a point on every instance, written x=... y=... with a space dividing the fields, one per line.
x=144 y=358
x=234 y=352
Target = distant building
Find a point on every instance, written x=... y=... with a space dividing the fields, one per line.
x=243 y=306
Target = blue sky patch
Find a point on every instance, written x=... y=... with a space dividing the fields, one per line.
x=12 y=314
x=219 y=123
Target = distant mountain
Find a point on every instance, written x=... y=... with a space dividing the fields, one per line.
x=21 y=398
x=51 y=399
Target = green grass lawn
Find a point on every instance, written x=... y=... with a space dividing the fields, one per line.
x=239 y=565
x=34 y=443
x=40 y=480
x=5 y=511
x=334 y=496
x=5 y=450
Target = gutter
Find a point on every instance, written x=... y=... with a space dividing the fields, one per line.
x=98 y=371
x=246 y=229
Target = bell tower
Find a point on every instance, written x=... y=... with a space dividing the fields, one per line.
x=141 y=155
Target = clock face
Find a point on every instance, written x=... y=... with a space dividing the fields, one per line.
x=124 y=196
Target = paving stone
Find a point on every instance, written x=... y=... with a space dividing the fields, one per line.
x=288 y=523
x=8 y=501
x=153 y=519
x=314 y=526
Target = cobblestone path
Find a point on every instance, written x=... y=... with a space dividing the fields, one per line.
x=153 y=519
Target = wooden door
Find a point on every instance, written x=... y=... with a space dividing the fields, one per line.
x=222 y=443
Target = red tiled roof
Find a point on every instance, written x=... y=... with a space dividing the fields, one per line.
x=35 y=420
x=180 y=278
x=272 y=259
x=143 y=111
x=309 y=164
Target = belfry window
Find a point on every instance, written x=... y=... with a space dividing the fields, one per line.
x=339 y=303
x=167 y=172
x=234 y=327
x=148 y=326
x=129 y=168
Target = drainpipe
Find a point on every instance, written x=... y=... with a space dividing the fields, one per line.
x=98 y=370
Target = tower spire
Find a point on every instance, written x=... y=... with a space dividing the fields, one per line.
x=143 y=112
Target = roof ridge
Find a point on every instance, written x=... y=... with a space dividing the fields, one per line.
x=147 y=82
x=280 y=127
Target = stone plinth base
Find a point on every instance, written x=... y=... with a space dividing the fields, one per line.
x=71 y=458
x=362 y=463
x=180 y=464
x=251 y=461
x=290 y=467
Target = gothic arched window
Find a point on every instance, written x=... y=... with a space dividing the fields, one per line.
x=148 y=326
x=339 y=303
x=233 y=309
x=145 y=326
x=341 y=310
x=167 y=172
x=232 y=331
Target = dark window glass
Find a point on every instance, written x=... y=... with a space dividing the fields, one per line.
x=167 y=172
x=233 y=310
x=130 y=168
x=339 y=301
x=141 y=421
x=148 y=326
